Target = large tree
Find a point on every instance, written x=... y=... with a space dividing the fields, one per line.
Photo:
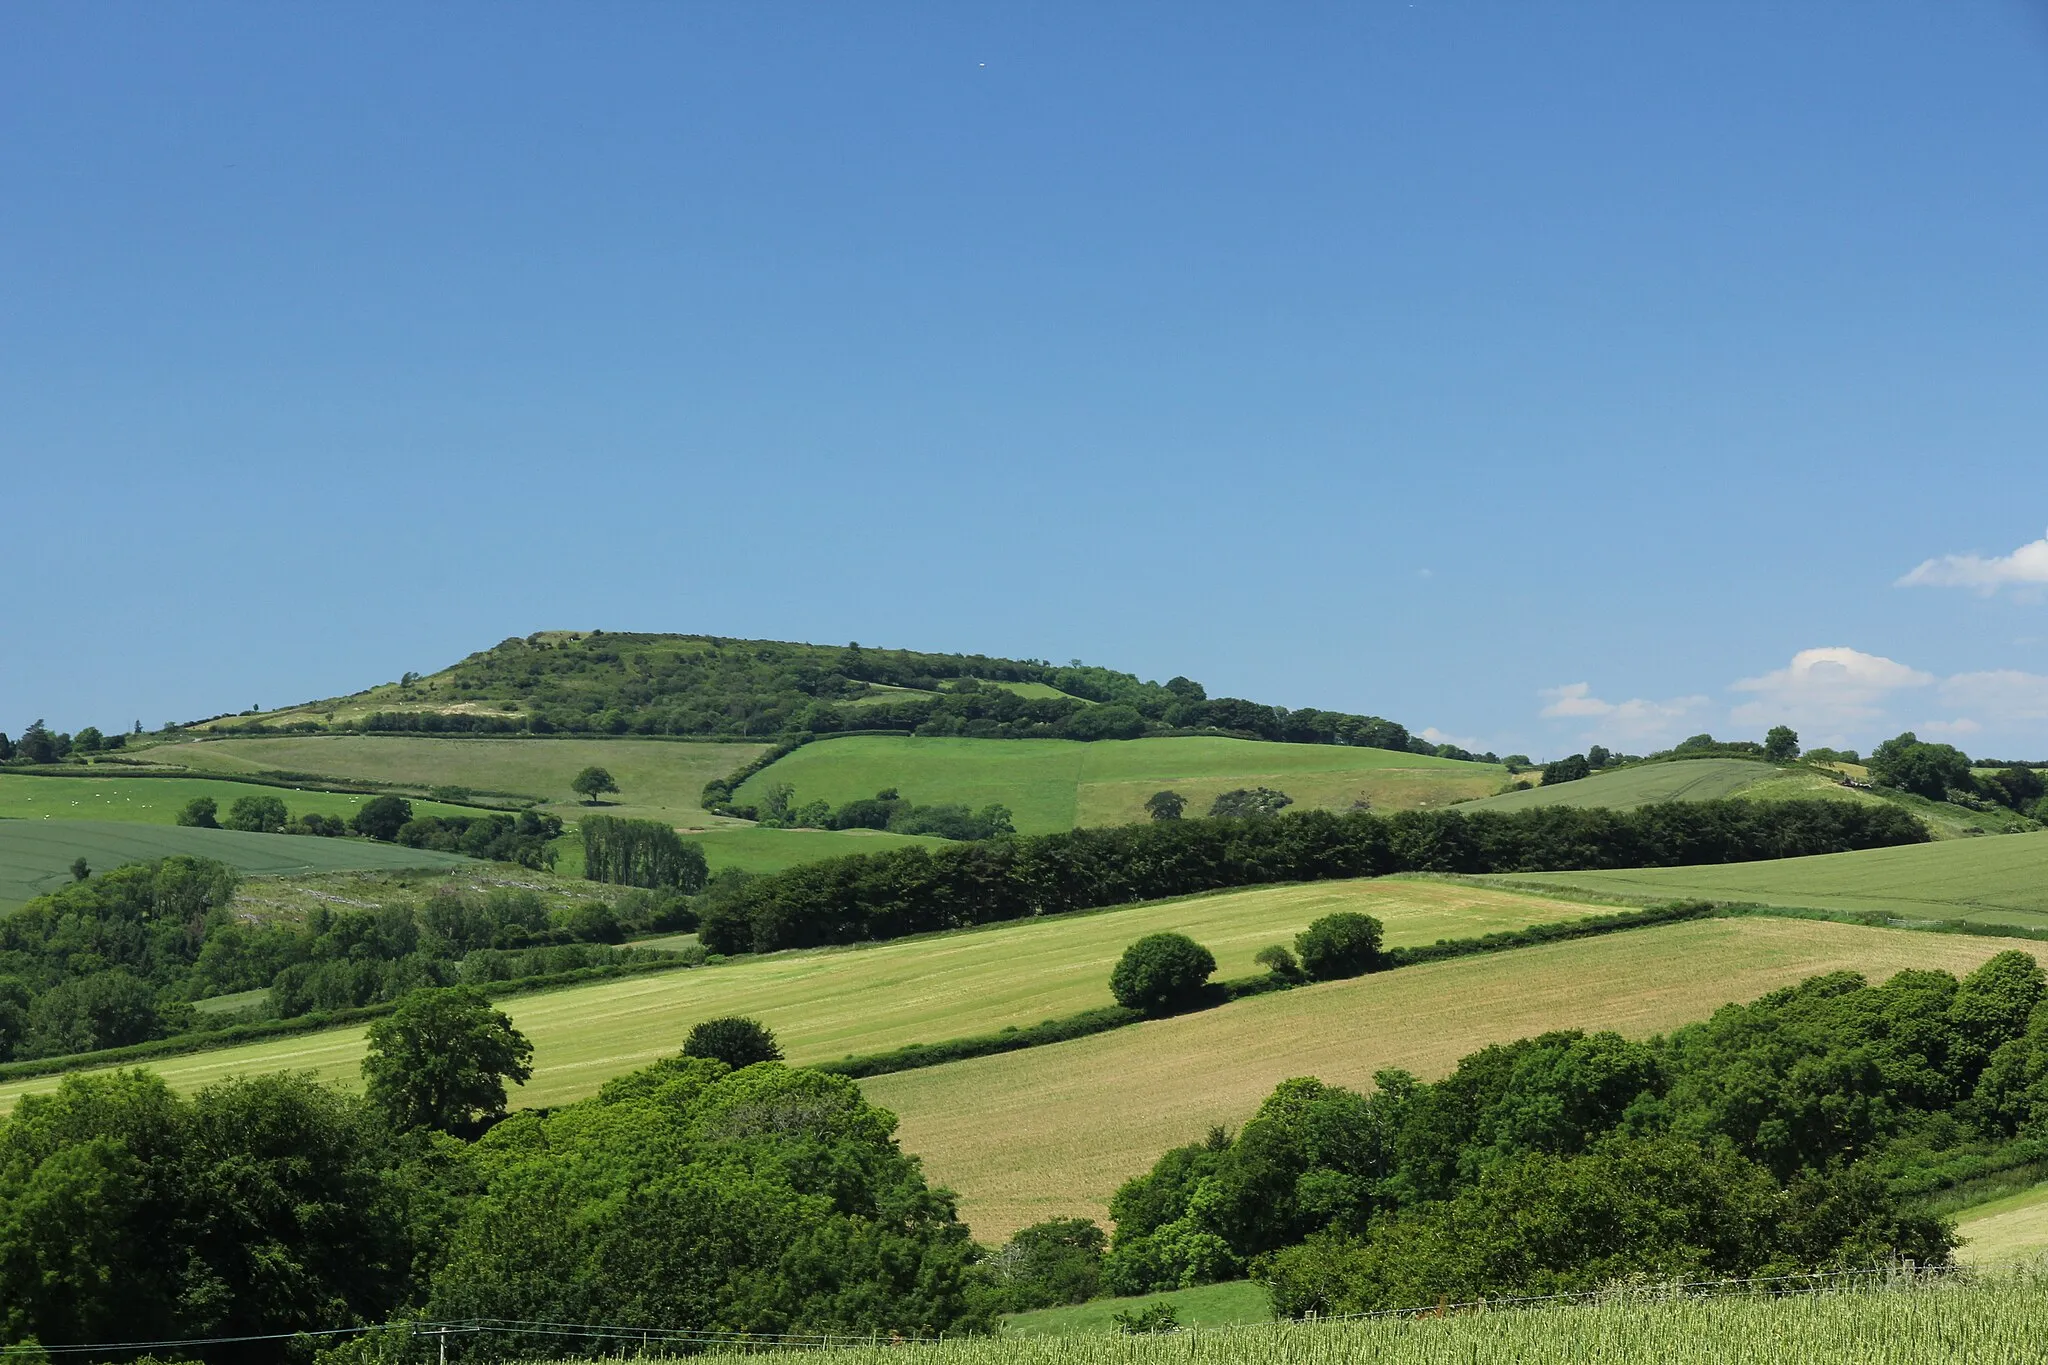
x=441 y=1060
x=592 y=783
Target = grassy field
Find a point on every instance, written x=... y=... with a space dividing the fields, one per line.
x=826 y=1004
x=1211 y=1305
x=2003 y=1323
x=752 y=848
x=660 y=779
x=1052 y=784
x=1051 y=1132
x=294 y=896
x=155 y=800
x=2005 y=1229
x=1699 y=779
x=1993 y=880
x=36 y=855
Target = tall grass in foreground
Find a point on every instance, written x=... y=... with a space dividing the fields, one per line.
x=2000 y=1324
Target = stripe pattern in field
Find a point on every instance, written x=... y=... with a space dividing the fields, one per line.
x=1053 y=1131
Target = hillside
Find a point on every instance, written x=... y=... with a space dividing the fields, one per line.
x=1994 y=881
x=567 y=682
x=36 y=855
x=1058 y=784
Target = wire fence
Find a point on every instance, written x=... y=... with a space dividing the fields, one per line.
x=620 y=1338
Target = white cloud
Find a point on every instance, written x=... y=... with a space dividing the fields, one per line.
x=1634 y=722
x=1436 y=736
x=2004 y=697
x=2024 y=567
x=1831 y=691
x=1945 y=729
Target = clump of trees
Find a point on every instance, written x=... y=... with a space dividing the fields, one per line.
x=1244 y=802
x=1942 y=772
x=736 y=1041
x=888 y=810
x=1165 y=805
x=1161 y=973
x=1340 y=945
x=644 y=853
x=441 y=1060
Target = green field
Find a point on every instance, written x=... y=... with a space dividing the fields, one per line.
x=1212 y=1305
x=1993 y=880
x=1051 y=1132
x=1055 y=784
x=751 y=848
x=36 y=855
x=828 y=1003
x=156 y=800
x=2005 y=1229
x=1698 y=779
x=2001 y=1323
x=659 y=779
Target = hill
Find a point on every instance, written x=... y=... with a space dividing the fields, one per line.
x=1991 y=881
x=36 y=855
x=829 y=1003
x=144 y=798
x=566 y=682
x=1053 y=785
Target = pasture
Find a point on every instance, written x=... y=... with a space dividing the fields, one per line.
x=827 y=1003
x=1231 y=1304
x=2005 y=1229
x=1056 y=784
x=1051 y=1132
x=36 y=855
x=658 y=779
x=2001 y=1323
x=752 y=848
x=1995 y=880
x=1698 y=779
x=153 y=799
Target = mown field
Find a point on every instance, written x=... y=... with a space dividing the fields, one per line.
x=1053 y=784
x=2004 y=1229
x=829 y=1003
x=1992 y=880
x=36 y=855
x=1699 y=779
x=658 y=779
x=2003 y=1323
x=155 y=800
x=1052 y=1131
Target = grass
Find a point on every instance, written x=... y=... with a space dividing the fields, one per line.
x=36 y=855
x=2001 y=1323
x=751 y=848
x=1991 y=881
x=2005 y=1229
x=1699 y=779
x=829 y=1003
x=659 y=779
x=1052 y=1132
x=293 y=897
x=156 y=800
x=1052 y=784
x=1237 y=1303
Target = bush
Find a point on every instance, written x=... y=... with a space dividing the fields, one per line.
x=257 y=815
x=382 y=818
x=1244 y=801
x=1340 y=945
x=201 y=812
x=1048 y=1264
x=1161 y=972
x=735 y=1041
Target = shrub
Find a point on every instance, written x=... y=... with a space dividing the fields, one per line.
x=1048 y=1264
x=733 y=1040
x=1340 y=945
x=1161 y=972
x=257 y=815
x=1249 y=801
x=1275 y=958
x=201 y=812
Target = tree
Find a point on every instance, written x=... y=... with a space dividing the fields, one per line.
x=441 y=1060
x=257 y=815
x=1161 y=972
x=592 y=783
x=1340 y=945
x=38 y=745
x=80 y=869
x=1566 y=770
x=1246 y=801
x=88 y=740
x=382 y=818
x=1165 y=805
x=1781 y=744
x=6 y=747
x=1598 y=756
x=199 y=813
x=733 y=1040
x=1275 y=958
x=1911 y=765
x=1048 y=1264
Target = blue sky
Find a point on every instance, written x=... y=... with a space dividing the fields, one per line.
x=1533 y=373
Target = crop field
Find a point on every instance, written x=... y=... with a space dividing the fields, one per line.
x=1699 y=779
x=828 y=1003
x=1993 y=880
x=1052 y=1131
x=2005 y=1229
x=2002 y=1323
x=156 y=800
x=659 y=779
x=36 y=855
x=1211 y=1305
x=1055 y=784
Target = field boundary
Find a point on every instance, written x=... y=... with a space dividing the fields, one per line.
x=268 y=777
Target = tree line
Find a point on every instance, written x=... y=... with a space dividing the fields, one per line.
x=526 y=838
x=1810 y=1129
x=887 y=809
x=123 y=957
x=645 y=853
x=916 y=890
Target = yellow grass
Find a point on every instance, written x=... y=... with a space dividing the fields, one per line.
x=2005 y=1229
x=1053 y=1131
x=828 y=1003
